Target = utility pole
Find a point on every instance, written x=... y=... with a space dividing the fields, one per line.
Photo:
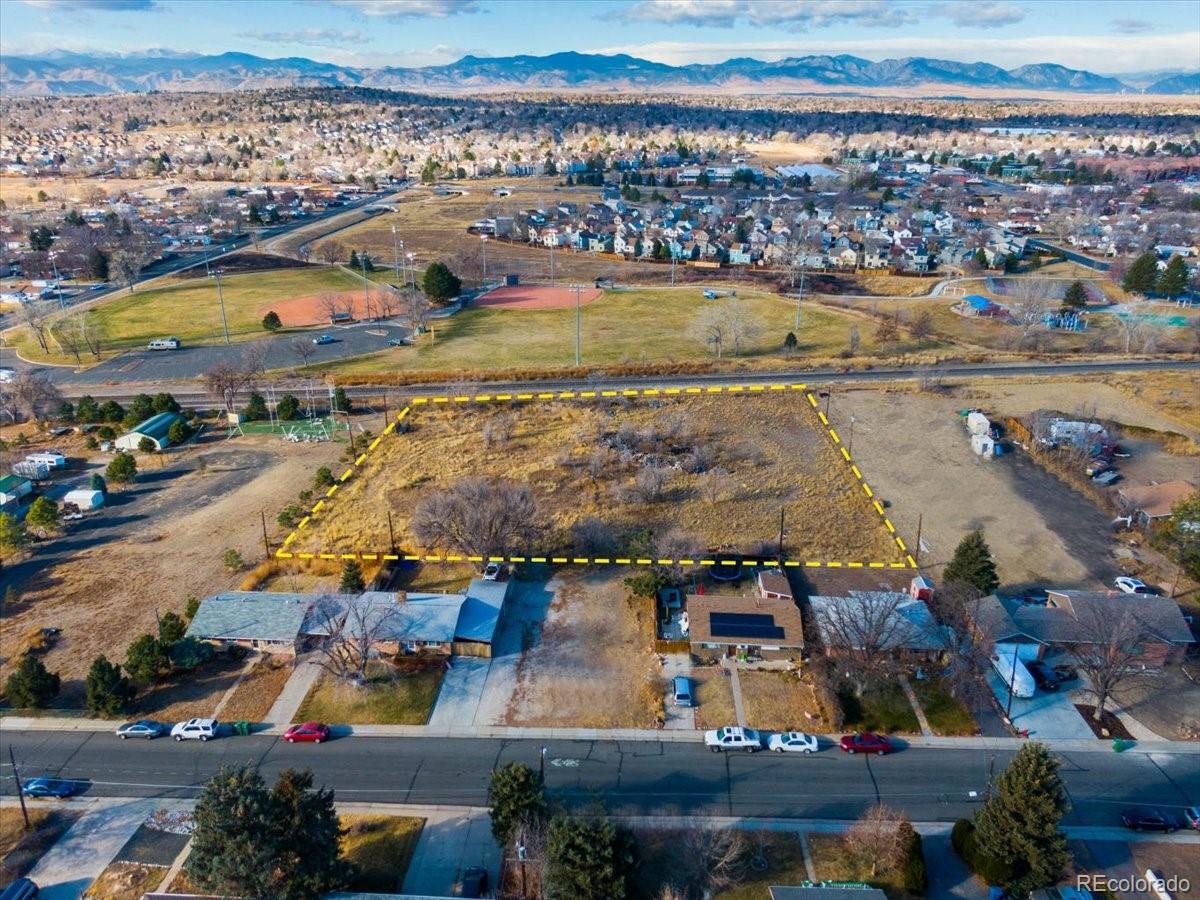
x=362 y=261
x=781 y=535
x=1012 y=679
x=20 y=787
x=266 y=543
x=917 y=549
x=673 y=260
x=391 y=532
x=541 y=766
x=221 y=300
x=799 y=296
x=578 y=326
x=828 y=397
x=552 y=260
x=850 y=438
x=483 y=243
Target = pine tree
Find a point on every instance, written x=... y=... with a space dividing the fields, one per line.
x=1076 y=296
x=31 y=686
x=146 y=658
x=233 y=848
x=586 y=858
x=1020 y=823
x=972 y=564
x=352 y=578
x=353 y=264
x=1142 y=274
x=309 y=837
x=171 y=628
x=1174 y=279
x=108 y=691
x=514 y=796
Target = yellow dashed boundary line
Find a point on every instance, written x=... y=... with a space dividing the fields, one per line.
x=910 y=562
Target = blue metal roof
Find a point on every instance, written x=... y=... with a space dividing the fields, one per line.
x=977 y=302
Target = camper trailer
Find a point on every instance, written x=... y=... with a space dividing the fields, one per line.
x=1006 y=658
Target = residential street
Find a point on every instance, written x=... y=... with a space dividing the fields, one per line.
x=637 y=778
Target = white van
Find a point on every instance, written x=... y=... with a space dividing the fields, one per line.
x=171 y=343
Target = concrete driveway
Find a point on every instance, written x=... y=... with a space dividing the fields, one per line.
x=1044 y=715
x=451 y=842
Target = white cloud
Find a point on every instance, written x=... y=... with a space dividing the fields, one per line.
x=1096 y=53
x=1131 y=26
x=94 y=5
x=410 y=9
x=984 y=13
x=309 y=37
x=794 y=15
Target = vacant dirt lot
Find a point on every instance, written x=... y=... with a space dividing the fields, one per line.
x=584 y=460
x=157 y=544
x=594 y=665
x=780 y=701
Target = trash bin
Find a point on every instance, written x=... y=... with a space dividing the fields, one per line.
x=242 y=728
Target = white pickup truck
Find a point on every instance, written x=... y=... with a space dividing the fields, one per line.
x=733 y=737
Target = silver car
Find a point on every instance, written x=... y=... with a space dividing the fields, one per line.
x=143 y=728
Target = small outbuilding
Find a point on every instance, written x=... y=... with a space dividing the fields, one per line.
x=13 y=488
x=85 y=498
x=156 y=429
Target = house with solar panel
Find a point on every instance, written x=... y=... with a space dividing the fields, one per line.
x=765 y=625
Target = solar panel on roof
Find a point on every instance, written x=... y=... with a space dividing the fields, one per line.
x=744 y=625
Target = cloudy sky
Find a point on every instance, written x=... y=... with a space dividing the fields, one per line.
x=1109 y=36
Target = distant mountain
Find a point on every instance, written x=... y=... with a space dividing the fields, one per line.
x=1176 y=84
x=62 y=72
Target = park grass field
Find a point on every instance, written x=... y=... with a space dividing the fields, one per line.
x=626 y=325
x=187 y=308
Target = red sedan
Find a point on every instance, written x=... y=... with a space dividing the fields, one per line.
x=866 y=742
x=308 y=731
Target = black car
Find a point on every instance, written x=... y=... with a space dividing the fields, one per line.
x=1043 y=675
x=1065 y=673
x=474 y=881
x=1148 y=819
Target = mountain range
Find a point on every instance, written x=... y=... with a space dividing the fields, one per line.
x=65 y=73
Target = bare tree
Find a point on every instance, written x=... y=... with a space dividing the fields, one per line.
x=862 y=631
x=227 y=380
x=36 y=316
x=126 y=264
x=593 y=536
x=30 y=396
x=711 y=859
x=330 y=303
x=715 y=485
x=479 y=517
x=1108 y=653
x=1032 y=300
x=416 y=308
x=331 y=253
x=967 y=653
x=1133 y=329
x=498 y=429
x=353 y=632
x=711 y=328
x=878 y=840
x=676 y=545
x=67 y=336
x=91 y=333
x=303 y=349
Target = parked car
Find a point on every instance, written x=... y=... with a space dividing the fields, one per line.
x=474 y=882
x=21 y=889
x=397 y=342
x=866 y=742
x=1129 y=585
x=1096 y=466
x=313 y=732
x=492 y=571
x=792 y=742
x=52 y=787
x=195 y=730
x=1065 y=673
x=1043 y=675
x=323 y=339
x=143 y=728
x=682 y=691
x=1144 y=818
x=1192 y=814
x=733 y=737
x=1110 y=476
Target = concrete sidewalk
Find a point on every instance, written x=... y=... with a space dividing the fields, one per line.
x=283 y=711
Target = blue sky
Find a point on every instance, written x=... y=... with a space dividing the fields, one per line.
x=1100 y=35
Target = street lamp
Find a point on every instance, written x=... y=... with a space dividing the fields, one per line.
x=221 y=300
x=411 y=258
x=396 y=245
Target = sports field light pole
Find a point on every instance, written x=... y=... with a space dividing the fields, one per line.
x=362 y=261
x=221 y=300
x=483 y=243
x=412 y=267
x=396 y=245
x=578 y=330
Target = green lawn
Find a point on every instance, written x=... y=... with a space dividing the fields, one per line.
x=624 y=326
x=380 y=848
x=883 y=710
x=187 y=308
x=946 y=715
x=405 y=698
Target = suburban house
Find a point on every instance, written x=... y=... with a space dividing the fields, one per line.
x=766 y=625
x=1069 y=619
x=1149 y=503
x=900 y=624
x=398 y=623
x=155 y=428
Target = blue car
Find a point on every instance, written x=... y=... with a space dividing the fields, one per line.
x=143 y=728
x=52 y=787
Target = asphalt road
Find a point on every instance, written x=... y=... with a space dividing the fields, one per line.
x=633 y=778
x=122 y=383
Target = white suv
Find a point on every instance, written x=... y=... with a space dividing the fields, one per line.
x=195 y=729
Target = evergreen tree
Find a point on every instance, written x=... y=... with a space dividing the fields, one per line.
x=108 y=691
x=31 y=686
x=790 y=342
x=42 y=515
x=514 y=796
x=164 y=402
x=439 y=283
x=353 y=259
x=1142 y=274
x=256 y=407
x=12 y=533
x=972 y=564
x=352 y=578
x=171 y=628
x=146 y=658
x=271 y=321
x=586 y=859
x=288 y=407
x=1020 y=823
x=341 y=400
x=1174 y=279
x=309 y=835
x=1075 y=297
x=122 y=468
x=234 y=848
x=97 y=264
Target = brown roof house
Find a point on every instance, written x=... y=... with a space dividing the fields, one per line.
x=766 y=625
x=1073 y=619
x=1152 y=502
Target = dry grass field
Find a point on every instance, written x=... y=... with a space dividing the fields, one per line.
x=779 y=701
x=587 y=460
x=714 y=697
x=594 y=666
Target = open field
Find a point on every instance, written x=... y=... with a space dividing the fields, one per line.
x=380 y=848
x=630 y=325
x=593 y=665
x=388 y=697
x=188 y=308
x=583 y=461
x=155 y=545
